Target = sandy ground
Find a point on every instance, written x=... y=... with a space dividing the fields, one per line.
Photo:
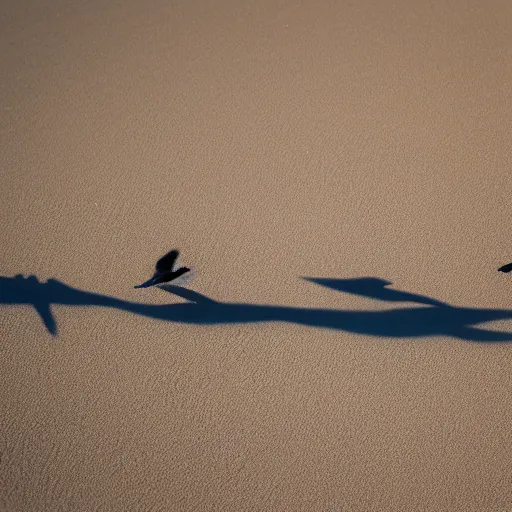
x=269 y=141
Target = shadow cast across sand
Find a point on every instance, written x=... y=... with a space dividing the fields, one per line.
x=433 y=318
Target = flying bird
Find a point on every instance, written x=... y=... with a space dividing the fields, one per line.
x=506 y=268
x=165 y=273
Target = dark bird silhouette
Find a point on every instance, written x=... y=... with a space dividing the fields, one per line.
x=506 y=268
x=164 y=271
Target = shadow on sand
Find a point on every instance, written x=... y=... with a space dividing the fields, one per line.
x=434 y=318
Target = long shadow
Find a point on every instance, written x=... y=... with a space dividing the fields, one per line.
x=436 y=319
x=374 y=288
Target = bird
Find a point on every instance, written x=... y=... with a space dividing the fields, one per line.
x=506 y=268
x=165 y=273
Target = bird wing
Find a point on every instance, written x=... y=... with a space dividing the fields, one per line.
x=166 y=263
x=506 y=268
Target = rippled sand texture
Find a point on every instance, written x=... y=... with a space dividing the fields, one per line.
x=365 y=145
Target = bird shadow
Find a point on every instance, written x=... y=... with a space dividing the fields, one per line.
x=433 y=318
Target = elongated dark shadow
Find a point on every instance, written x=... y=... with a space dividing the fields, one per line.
x=374 y=288
x=434 y=318
x=186 y=293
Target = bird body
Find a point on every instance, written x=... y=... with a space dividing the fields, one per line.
x=165 y=273
x=506 y=268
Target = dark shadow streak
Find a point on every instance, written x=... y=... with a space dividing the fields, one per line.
x=374 y=288
x=434 y=320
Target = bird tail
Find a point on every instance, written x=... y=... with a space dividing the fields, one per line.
x=506 y=268
x=147 y=284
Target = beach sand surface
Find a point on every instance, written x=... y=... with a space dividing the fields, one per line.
x=363 y=145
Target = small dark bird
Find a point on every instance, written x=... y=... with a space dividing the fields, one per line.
x=506 y=268
x=164 y=272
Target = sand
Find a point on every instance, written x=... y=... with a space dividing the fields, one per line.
x=269 y=141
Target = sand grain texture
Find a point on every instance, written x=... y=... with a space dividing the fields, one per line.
x=268 y=141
